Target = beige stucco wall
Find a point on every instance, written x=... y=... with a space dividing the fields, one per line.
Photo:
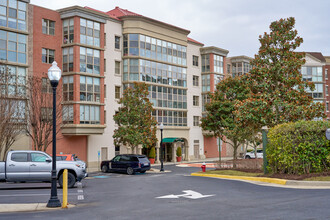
x=97 y=142
x=195 y=132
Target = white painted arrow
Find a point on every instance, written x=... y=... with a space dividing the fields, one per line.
x=189 y=194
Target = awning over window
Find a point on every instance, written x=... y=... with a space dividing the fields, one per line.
x=171 y=140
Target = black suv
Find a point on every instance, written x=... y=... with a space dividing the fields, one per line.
x=128 y=163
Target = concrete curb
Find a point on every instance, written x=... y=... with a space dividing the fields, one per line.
x=249 y=178
x=293 y=183
x=28 y=207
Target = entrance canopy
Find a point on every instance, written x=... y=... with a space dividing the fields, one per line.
x=171 y=140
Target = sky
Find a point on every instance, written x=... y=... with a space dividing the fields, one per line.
x=234 y=25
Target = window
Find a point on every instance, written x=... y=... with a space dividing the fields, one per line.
x=89 y=89
x=38 y=157
x=170 y=118
x=67 y=114
x=196 y=120
x=117 y=92
x=205 y=63
x=89 y=60
x=48 y=27
x=105 y=91
x=152 y=48
x=195 y=80
x=147 y=71
x=19 y=157
x=105 y=65
x=48 y=55
x=15 y=82
x=67 y=88
x=117 y=67
x=46 y=114
x=195 y=60
x=89 y=114
x=206 y=84
x=195 y=100
x=67 y=53
x=218 y=64
x=46 y=87
x=89 y=32
x=105 y=39
x=13 y=14
x=105 y=117
x=117 y=42
x=326 y=90
x=13 y=47
x=327 y=106
x=68 y=31
x=167 y=97
x=326 y=73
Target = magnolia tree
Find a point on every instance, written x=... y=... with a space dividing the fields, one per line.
x=134 y=119
x=220 y=118
x=278 y=92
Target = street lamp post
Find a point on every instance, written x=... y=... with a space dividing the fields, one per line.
x=161 y=127
x=54 y=75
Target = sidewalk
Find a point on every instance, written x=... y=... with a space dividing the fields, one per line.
x=28 y=207
x=193 y=161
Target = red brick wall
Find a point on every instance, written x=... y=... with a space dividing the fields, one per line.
x=211 y=148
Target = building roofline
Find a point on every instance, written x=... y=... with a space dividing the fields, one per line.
x=215 y=50
x=88 y=13
x=194 y=41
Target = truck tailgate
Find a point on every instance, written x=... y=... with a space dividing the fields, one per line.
x=2 y=170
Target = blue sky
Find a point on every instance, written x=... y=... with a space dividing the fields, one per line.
x=234 y=25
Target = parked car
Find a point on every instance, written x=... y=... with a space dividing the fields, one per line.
x=127 y=163
x=36 y=166
x=251 y=155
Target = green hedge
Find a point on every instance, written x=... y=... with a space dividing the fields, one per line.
x=297 y=148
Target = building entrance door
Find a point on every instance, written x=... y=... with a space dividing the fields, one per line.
x=168 y=152
x=196 y=150
x=104 y=153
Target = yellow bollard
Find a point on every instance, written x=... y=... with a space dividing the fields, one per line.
x=65 y=189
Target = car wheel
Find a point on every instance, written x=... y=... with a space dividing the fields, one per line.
x=247 y=157
x=129 y=171
x=143 y=171
x=71 y=180
x=105 y=169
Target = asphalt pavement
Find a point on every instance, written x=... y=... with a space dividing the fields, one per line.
x=32 y=197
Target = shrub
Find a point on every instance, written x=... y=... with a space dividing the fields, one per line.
x=178 y=152
x=297 y=148
x=152 y=153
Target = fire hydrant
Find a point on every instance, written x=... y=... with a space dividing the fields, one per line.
x=203 y=167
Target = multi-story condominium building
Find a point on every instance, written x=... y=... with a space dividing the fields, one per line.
x=327 y=84
x=238 y=65
x=101 y=54
x=314 y=71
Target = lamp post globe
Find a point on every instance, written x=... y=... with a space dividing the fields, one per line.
x=161 y=127
x=54 y=75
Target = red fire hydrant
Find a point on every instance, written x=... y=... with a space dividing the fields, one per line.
x=203 y=167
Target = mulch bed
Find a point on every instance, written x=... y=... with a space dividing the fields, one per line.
x=253 y=166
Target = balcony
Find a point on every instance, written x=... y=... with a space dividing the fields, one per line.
x=82 y=129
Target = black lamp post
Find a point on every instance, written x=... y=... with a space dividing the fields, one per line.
x=54 y=75
x=161 y=127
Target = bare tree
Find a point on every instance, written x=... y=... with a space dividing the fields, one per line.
x=40 y=112
x=12 y=109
